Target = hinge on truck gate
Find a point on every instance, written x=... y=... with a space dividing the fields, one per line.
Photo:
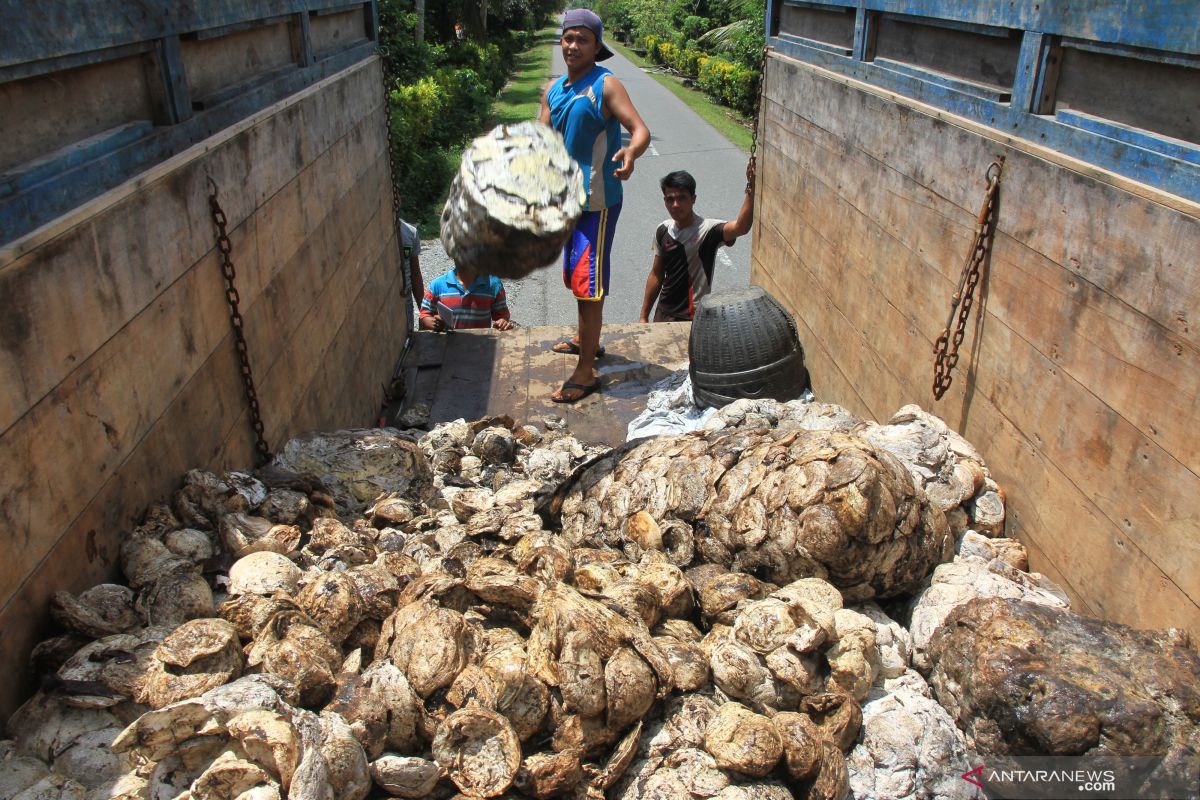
x=225 y=247
x=945 y=349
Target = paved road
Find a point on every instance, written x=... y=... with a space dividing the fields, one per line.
x=679 y=140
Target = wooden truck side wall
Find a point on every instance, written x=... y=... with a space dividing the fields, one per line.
x=1080 y=373
x=119 y=370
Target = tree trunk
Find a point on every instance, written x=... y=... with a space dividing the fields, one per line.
x=420 y=21
x=445 y=14
x=475 y=19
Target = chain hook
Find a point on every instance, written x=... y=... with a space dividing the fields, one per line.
x=945 y=347
x=993 y=171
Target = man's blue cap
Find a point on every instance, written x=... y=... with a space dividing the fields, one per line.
x=586 y=18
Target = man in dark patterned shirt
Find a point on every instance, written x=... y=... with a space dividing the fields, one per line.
x=685 y=248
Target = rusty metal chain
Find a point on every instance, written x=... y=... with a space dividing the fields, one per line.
x=945 y=349
x=406 y=287
x=392 y=178
x=762 y=83
x=225 y=247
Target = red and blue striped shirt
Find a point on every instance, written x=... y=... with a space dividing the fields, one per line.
x=476 y=306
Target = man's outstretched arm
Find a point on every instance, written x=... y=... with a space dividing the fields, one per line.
x=745 y=218
x=617 y=101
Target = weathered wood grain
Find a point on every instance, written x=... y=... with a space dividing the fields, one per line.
x=547 y=370
x=1075 y=429
x=1071 y=387
x=519 y=372
x=832 y=371
x=300 y=281
x=85 y=25
x=366 y=384
x=87 y=552
x=1060 y=416
x=74 y=439
x=1122 y=355
x=49 y=332
x=467 y=375
x=150 y=386
x=362 y=393
x=1061 y=519
x=814 y=234
x=348 y=336
x=322 y=298
x=510 y=379
x=1141 y=253
x=111 y=400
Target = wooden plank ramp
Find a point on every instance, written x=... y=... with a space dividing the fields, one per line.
x=475 y=374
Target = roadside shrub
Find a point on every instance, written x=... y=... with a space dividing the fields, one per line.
x=732 y=84
x=688 y=61
x=468 y=107
x=441 y=97
x=650 y=17
x=424 y=176
x=666 y=53
x=650 y=45
x=488 y=63
x=415 y=108
x=694 y=27
x=524 y=39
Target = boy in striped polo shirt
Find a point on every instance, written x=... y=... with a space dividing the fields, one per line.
x=474 y=301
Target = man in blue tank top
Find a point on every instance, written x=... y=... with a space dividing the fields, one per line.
x=588 y=106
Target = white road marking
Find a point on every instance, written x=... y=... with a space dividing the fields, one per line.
x=725 y=262
x=653 y=150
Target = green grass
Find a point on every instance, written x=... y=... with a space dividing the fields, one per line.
x=729 y=123
x=520 y=99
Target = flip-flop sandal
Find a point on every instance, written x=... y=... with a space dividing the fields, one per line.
x=580 y=387
x=569 y=348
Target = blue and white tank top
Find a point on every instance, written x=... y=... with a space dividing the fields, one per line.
x=577 y=112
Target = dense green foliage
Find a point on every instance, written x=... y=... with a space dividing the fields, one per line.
x=441 y=90
x=716 y=43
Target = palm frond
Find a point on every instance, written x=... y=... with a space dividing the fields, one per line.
x=745 y=9
x=723 y=38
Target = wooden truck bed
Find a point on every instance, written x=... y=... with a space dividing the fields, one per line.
x=473 y=374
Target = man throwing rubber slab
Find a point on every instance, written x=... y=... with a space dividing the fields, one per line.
x=589 y=106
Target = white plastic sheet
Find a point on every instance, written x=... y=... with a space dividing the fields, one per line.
x=670 y=409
